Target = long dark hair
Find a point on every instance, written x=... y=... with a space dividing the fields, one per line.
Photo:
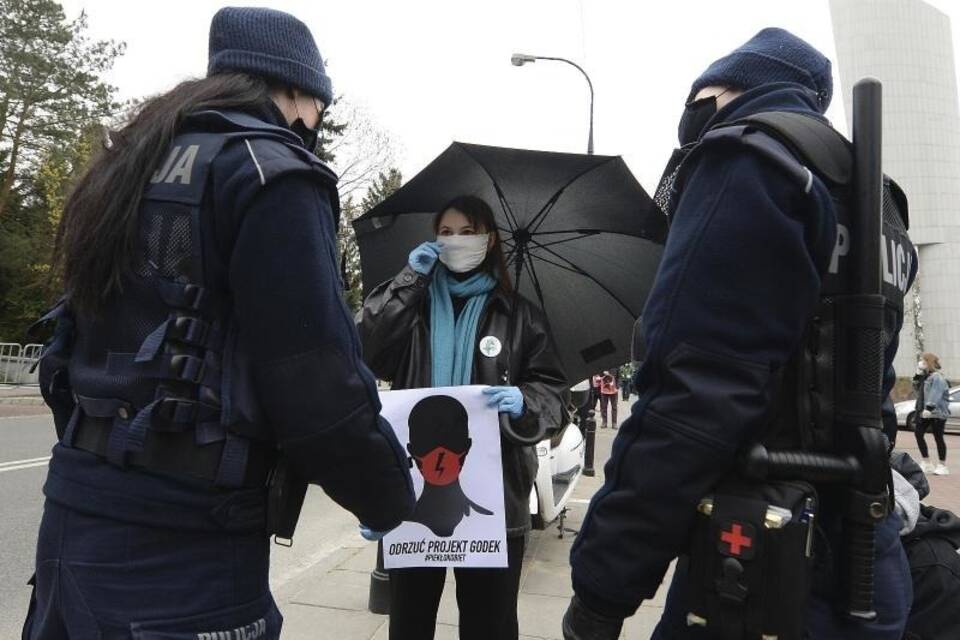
x=480 y=215
x=98 y=235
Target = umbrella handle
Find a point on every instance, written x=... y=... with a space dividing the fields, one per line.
x=506 y=426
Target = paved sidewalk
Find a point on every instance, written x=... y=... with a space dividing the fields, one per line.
x=20 y=393
x=21 y=401
x=333 y=595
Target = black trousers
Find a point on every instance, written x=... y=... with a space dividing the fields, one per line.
x=608 y=405
x=936 y=427
x=486 y=598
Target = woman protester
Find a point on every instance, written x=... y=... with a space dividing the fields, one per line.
x=451 y=317
x=932 y=411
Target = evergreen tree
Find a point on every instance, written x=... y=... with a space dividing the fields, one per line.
x=27 y=284
x=382 y=187
x=50 y=84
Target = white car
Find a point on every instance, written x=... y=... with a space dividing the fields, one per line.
x=906 y=413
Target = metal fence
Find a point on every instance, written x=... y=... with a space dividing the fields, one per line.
x=16 y=361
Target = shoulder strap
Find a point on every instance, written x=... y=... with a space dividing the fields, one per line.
x=238 y=125
x=746 y=136
x=814 y=142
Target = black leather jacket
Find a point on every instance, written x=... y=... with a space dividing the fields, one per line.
x=395 y=332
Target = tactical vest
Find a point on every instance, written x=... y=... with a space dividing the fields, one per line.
x=159 y=380
x=802 y=146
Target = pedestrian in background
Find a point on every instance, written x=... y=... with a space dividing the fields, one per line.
x=597 y=381
x=609 y=388
x=625 y=376
x=932 y=411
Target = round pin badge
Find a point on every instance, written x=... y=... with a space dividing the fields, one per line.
x=490 y=347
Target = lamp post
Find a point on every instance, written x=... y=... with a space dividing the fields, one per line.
x=520 y=59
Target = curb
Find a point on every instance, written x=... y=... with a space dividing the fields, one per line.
x=22 y=400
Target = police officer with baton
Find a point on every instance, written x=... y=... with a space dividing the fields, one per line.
x=203 y=357
x=755 y=452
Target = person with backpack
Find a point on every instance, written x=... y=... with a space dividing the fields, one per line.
x=750 y=257
x=932 y=411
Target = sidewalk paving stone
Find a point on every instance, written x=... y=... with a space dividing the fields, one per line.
x=307 y=622
x=337 y=589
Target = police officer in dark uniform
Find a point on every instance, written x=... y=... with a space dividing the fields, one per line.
x=755 y=241
x=202 y=338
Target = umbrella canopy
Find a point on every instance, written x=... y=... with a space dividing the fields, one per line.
x=583 y=239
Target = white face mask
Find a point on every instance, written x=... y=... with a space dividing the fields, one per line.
x=463 y=253
x=922 y=365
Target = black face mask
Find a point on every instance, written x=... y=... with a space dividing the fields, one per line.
x=695 y=118
x=311 y=137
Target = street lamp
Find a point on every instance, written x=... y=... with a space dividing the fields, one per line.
x=520 y=59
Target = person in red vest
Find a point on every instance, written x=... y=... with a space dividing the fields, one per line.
x=609 y=388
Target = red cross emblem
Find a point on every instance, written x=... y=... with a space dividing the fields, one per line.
x=739 y=541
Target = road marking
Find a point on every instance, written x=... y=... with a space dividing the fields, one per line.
x=17 y=465
x=577 y=501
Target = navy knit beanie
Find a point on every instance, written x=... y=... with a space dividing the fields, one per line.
x=268 y=43
x=773 y=55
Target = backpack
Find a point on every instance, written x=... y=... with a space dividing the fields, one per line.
x=932 y=550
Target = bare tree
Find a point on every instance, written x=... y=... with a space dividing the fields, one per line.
x=362 y=153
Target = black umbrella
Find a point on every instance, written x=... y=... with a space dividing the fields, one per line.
x=583 y=239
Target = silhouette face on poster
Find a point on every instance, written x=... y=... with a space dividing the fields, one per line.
x=439 y=444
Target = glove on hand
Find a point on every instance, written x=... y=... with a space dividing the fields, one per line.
x=927 y=414
x=580 y=623
x=424 y=257
x=507 y=400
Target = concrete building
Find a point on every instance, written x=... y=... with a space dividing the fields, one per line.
x=907 y=45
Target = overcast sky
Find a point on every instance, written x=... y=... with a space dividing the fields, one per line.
x=434 y=71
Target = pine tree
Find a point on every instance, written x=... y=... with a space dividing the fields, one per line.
x=382 y=187
x=27 y=283
x=51 y=85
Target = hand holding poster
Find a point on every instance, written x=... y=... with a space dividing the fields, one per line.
x=453 y=439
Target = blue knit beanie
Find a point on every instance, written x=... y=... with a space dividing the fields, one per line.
x=773 y=55
x=267 y=43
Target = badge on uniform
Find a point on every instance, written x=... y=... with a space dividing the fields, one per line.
x=737 y=539
x=490 y=346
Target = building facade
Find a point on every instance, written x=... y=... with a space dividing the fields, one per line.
x=908 y=46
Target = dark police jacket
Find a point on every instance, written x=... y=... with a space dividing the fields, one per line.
x=748 y=252
x=249 y=348
x=394 y=327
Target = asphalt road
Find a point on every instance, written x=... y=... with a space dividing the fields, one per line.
x=25 y=443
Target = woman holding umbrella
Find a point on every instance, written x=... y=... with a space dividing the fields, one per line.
x=451 y=317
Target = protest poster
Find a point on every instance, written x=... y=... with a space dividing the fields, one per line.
x=453 y=440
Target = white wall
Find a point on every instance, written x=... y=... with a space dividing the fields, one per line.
x=908 y=46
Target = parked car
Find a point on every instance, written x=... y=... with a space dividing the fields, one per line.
x=906 y=413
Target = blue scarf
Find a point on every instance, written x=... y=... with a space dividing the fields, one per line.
x=452 y=342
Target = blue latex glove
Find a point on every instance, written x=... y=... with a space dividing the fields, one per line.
x=507 y=400
x=369 y=534
x=424 y=257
